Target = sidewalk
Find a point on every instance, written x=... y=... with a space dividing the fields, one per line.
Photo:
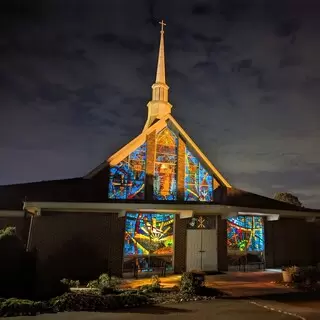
x=258 y=287
x=248 y=284
x=235 y=284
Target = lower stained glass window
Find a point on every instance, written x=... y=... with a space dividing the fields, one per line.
x=198 y=182
x=148 y=240
x=148 y=234
x=245 y=233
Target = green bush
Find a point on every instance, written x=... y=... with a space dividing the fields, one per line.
x=95 y=302
x=17 y=268
x=16 y=307
x=187 y=284
x=105 y=284
x=49 y=288
x=155 y=285
x=7 y=232
x=309 y=275
x=191 y=283
x=71 y=302
x=71 y=283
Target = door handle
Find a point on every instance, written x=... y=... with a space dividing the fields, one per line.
x=202 y=251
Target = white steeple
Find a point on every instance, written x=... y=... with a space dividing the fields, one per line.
x=159 y=105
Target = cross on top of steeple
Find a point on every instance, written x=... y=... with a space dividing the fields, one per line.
x=162 y=25
x=159 y=105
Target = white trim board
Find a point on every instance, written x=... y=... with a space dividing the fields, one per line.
x=214 y=209
x=12 y=213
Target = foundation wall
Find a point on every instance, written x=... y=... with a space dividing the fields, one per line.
x=291 y=242
x=78 y=245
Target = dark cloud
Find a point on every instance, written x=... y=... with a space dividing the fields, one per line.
x=75 y=78
x=231 y=9
x=290 y=61
x=242 y=64
x=267 y=99
x=129 y=42
x=288 y=27
x=205 y=39
x=202 y=8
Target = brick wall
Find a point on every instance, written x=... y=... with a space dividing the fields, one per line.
x=291 y=241
x=222 y=244
x=180 y=246
x=78 y=245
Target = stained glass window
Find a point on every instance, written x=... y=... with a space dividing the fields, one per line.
x=245 y=233
x=198 y=182
x=148 y=234
x=165 y=182
x=127 y=178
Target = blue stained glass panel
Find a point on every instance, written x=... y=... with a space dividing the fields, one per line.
x=198 y=181
x=165 y=183
x=245 y=233
x=127 y=178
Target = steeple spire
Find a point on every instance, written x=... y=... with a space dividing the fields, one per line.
x=161 y=69
x=159 y=105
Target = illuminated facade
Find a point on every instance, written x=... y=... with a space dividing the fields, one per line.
x=158 y=202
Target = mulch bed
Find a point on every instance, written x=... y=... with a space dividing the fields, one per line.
x=302 y=286
x=174 y=296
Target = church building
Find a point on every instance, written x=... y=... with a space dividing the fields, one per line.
x=157 y=204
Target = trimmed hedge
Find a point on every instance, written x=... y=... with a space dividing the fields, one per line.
x=17 y=268
x=16 y=307
x=96 y=302
x=71 y=302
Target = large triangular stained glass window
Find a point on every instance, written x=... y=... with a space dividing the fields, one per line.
x=165 y=171
x=127 y=178
x=198 y=184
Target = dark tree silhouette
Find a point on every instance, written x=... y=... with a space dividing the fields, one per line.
x=287 y=197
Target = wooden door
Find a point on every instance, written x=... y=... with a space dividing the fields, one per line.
x=202 y=250
x=193 y=250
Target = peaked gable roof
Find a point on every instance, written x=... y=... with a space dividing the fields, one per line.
x=164 y=122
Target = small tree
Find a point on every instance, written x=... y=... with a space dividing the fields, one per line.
x=288 y=198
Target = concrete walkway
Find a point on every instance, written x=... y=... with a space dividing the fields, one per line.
x=258 y=287
x=248 y=284
x=217 y=310
x=235 y=284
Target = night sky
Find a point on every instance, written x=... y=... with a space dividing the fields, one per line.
x=244 y=79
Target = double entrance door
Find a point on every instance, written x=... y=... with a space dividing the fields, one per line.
x=202 y=250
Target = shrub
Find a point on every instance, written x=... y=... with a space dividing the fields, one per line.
x=95 y=302
x=17 y=268
x=71 y=283
x=105 y=284
x=191 y=283
x=155 y=285
x=49 y=288
x=309 y=275
x=187 y=285
x=7 y=232
x=15 y=307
